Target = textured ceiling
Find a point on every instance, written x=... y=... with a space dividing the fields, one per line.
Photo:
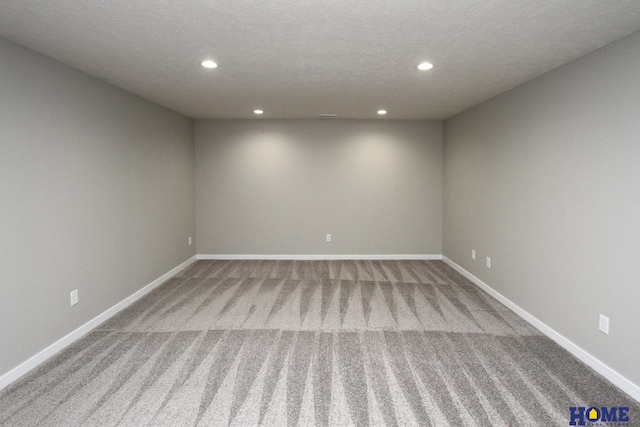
x=299 y=58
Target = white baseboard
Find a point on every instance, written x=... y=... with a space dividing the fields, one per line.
x=67 y=340
x=322 y=257
x=616 y=378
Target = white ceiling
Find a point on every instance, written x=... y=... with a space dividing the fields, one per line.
x=299 y=58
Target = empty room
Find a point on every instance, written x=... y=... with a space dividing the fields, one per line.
x=338 y=213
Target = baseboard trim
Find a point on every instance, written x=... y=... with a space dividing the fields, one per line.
x=53 y=349
x=616 y=378
x=319 y=257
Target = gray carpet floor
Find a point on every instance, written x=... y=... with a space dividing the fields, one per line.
x=311 y=343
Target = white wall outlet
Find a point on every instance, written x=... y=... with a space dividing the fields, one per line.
x=189 y=240
x=604 y=324
x=473 y=254
x=488 y=262
x=74 y=297
x=328 y=237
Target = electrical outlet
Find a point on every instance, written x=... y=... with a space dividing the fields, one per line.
x=473 y=254
x=74 y=297
x=189 y=240
x=488 y=262
x=328 y=237
x=604 y=324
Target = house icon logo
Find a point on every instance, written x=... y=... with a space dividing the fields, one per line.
x=595 y=416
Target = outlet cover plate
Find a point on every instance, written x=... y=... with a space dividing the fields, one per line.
x=604 y=324
x=74 y=297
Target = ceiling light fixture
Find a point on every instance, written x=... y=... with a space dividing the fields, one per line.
x=382 y=112
x=258 y=111
x=424 y=66
x=209 y=64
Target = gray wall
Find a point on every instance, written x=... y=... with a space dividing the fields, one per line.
x=96 y=194
x=277 y=187
x=545 y=180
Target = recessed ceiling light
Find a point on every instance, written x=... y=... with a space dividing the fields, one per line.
x=209 y=64
x=382 y=112
x=258 y=111
x=425 y=66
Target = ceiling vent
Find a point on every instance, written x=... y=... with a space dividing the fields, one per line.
x=327 y=116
